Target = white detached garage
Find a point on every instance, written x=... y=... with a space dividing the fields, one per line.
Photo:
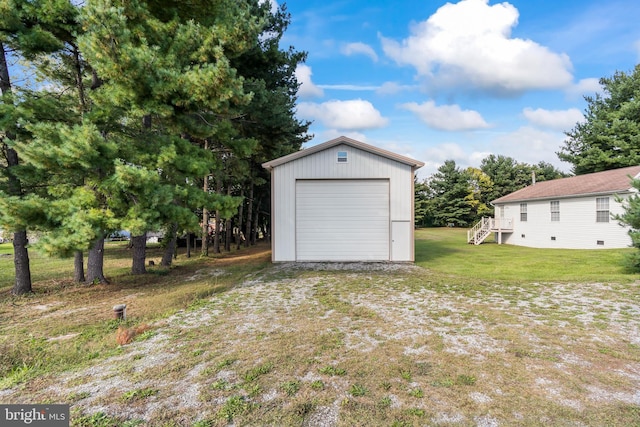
x=342 y=200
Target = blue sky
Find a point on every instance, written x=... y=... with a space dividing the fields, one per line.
x=461 y=80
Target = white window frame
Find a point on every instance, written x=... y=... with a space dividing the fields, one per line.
x=602 y=209
x=554 y=207
x=342 y=157
x=523 y=212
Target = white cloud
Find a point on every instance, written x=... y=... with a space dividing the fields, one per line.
x=469 y=43
x=349 y=87
x=330 y=134
x=435 y=156
x=391 y=88
x=352 y=115
x=525 y=145
x=584 y=87
x=307 y=88
x=531 y=145
x=562 y=120
x=446 y=117
x=359 y=49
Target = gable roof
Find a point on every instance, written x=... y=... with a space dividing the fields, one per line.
x=606 y=182
x=346 y=141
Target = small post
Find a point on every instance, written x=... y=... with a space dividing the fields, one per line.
x=120 y=311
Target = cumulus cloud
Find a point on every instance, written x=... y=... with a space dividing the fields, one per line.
x=584 y=87
x=446 y=117
x=351 y=115
x=530 y=145
x=307 y=88
x=359 y=49
x=553 y=119
x=469 y=43
x=329 y=134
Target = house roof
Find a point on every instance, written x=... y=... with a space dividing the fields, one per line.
x=338 y=141
x=606 y=182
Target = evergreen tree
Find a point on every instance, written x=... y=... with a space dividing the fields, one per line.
x=167 y=65
x=452 y=202
x=631 y=218
x=507 y=175
x=423 y=215
x=609 y=138
x=29 y=29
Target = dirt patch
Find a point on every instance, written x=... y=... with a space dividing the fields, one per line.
x=433 y=354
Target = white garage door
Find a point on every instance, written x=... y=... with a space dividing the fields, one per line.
x=342 y=220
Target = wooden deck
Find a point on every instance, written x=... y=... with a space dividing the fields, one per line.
x=479 y=232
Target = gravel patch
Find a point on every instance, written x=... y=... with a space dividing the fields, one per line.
x=423 y=323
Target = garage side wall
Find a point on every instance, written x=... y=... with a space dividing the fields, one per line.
x=323 y=165
x=576 y=229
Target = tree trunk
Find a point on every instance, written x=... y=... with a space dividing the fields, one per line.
x=205 y=232
x=205 y=213
x=217 y=231
x=239 y=225
x=254 y=232
x=139 y=245
x=22 y=284
x=227 y=235
x=188 y=245
x=95 y=262
x=227 y=228
x=78 y=267
x=247 y=234
x=170 y=250
x=216 y=234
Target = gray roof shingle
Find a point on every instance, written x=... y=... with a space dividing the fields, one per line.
x=606 y=182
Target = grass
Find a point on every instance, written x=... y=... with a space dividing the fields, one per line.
x=466 y=340
x=445 y=250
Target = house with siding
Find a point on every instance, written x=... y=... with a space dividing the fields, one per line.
x=569 y=213
x=342 y=200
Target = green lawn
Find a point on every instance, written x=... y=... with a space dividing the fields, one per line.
x=6 y=248
x=445 y=250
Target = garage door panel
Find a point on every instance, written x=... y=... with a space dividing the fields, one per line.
x=342 y=220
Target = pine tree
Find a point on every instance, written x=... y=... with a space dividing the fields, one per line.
x=29 y=29
x=631 y=218
x=452 y=204
x=609 y=138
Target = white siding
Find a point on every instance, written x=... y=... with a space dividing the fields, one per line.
x=577 y=228
x=323 y=165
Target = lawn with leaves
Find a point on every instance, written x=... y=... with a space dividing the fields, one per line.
x=236 y=340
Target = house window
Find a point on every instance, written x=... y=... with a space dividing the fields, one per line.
x=342 y=157
x=602 y=209
x=523 y=212
x=555 y=210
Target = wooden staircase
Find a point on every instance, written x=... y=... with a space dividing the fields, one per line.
x=486 y=226
x=479 y=232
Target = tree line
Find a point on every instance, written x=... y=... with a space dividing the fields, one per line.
x=140 y=116
x=460 y=197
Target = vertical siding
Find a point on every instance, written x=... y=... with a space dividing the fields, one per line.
x=323 y=165
x=577 y=228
